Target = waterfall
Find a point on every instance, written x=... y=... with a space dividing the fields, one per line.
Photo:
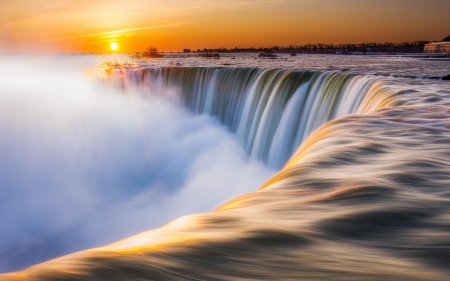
x=271 y=111
x=363 y=197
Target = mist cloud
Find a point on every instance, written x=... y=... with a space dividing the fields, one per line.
x=83 y=165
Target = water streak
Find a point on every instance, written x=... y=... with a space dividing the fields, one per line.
x=271 y=111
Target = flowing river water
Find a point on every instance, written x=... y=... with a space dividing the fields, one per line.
x=361 y=190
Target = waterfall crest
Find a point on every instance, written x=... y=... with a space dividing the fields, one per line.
x=271 y=111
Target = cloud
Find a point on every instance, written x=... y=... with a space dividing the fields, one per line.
x=127 y=30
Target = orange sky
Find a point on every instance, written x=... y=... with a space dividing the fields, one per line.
x=171 y=25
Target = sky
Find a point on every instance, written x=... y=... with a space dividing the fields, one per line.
x=42 y=26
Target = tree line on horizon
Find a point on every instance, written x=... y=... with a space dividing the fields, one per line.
x=404 y=47
x=319 y=48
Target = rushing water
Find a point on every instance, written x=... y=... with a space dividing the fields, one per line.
x=271 y=111
x=364 y=197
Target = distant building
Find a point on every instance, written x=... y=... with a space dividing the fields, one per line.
x=186 y=50
x=437 y=48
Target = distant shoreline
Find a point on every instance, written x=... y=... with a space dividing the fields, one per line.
x=412 y=55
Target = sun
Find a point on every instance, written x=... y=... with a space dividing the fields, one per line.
x=114 y=46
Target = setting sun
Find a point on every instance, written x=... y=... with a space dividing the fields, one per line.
x=114 y=46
